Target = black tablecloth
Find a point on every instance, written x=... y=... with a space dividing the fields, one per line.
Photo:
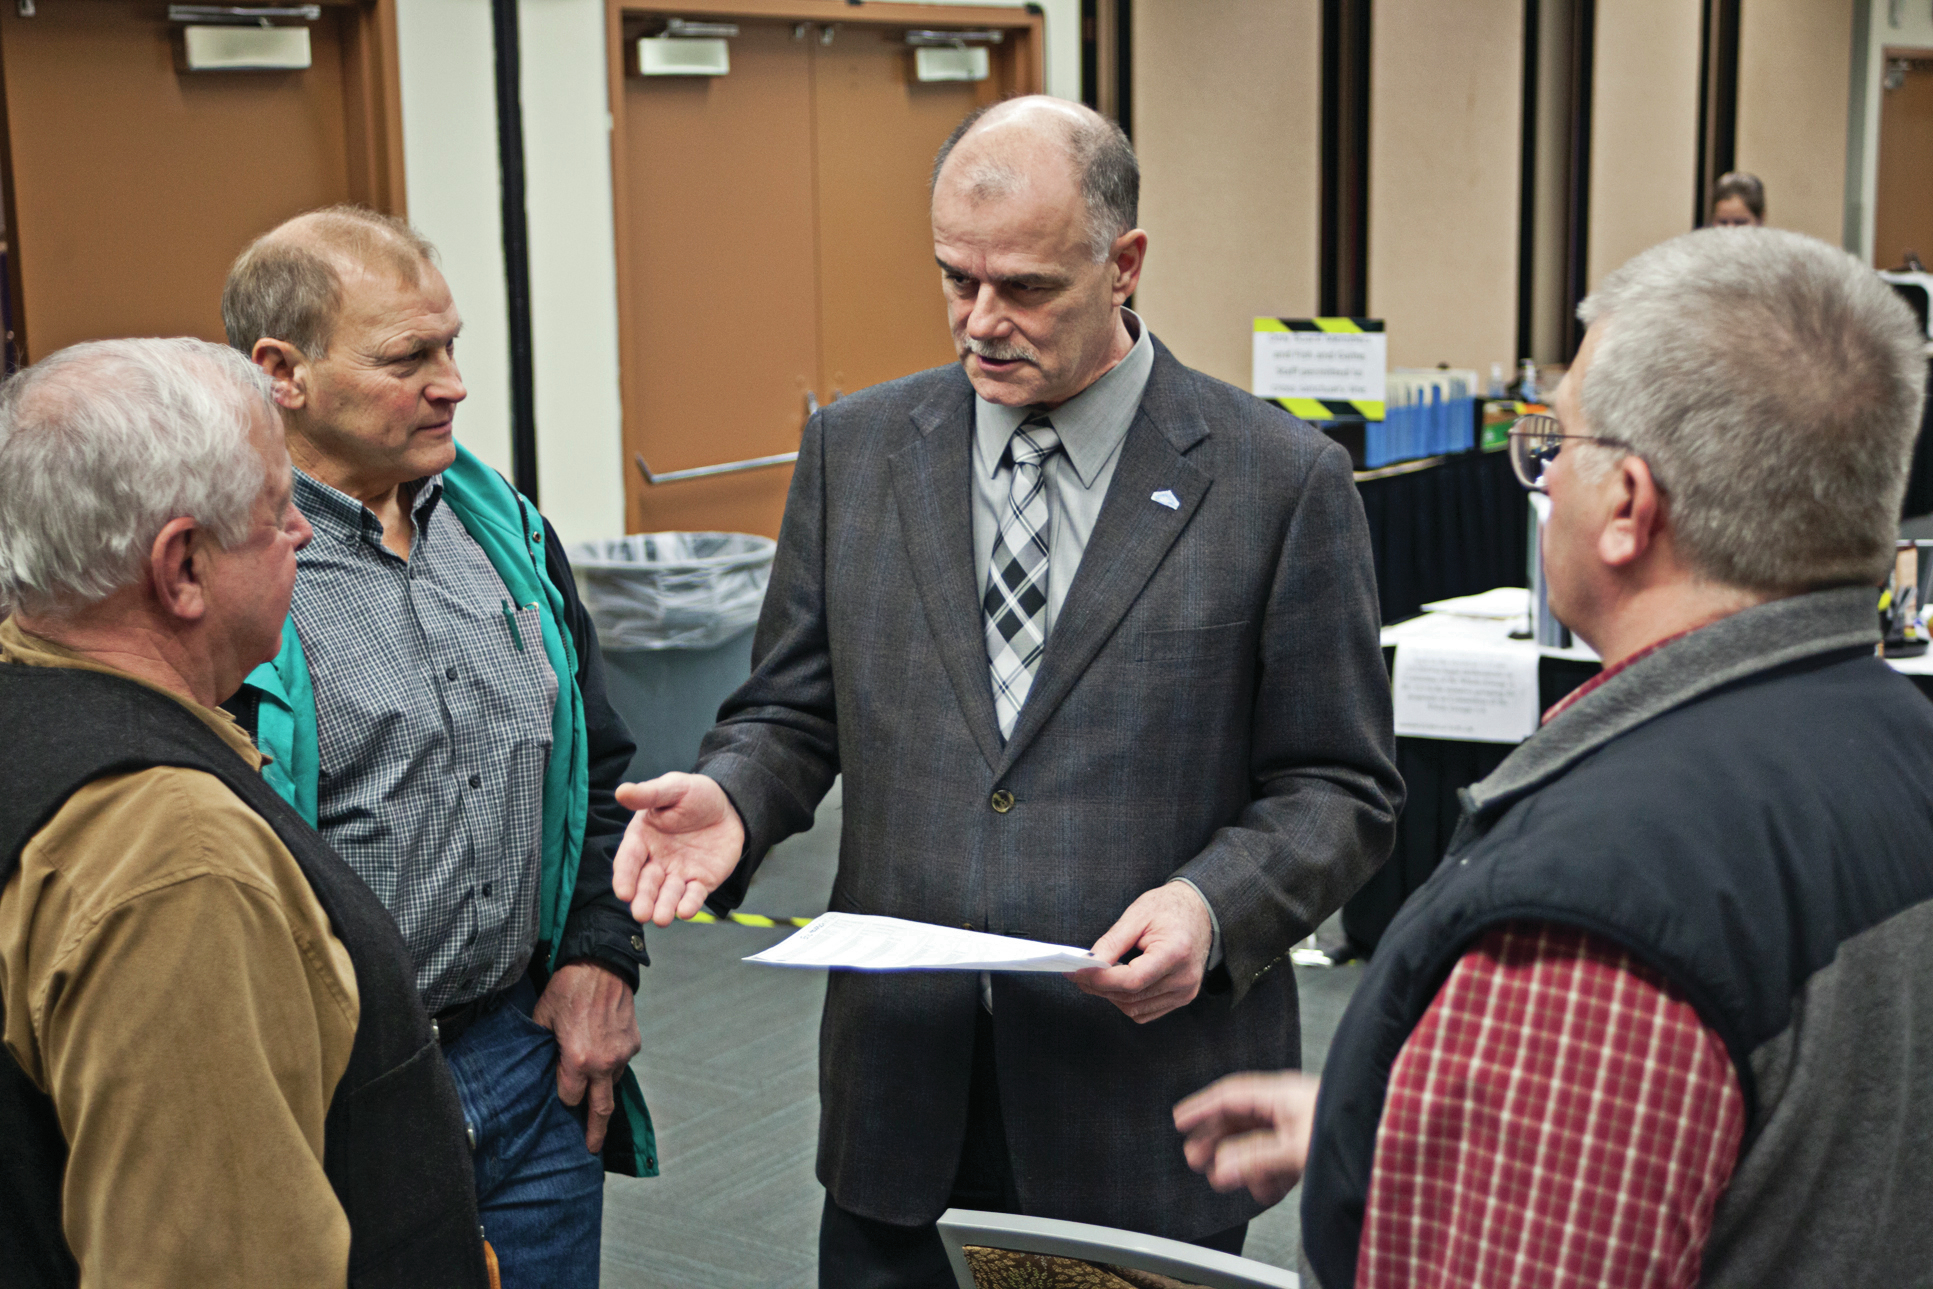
x=1433 y=771
x=1457 y=528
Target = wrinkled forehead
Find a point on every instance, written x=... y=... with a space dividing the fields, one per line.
x=1009 y=213
x=378 y=302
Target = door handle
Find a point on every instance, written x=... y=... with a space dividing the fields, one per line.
x=247 y=16
x=729 y=467
x=706 y=471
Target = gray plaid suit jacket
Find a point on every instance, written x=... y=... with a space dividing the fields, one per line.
x=1212 y=704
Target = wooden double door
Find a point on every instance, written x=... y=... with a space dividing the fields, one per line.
x=774 y=244
x=1903 y=209
x=131 y=184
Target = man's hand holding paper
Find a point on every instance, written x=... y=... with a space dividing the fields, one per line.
x=1171 y=927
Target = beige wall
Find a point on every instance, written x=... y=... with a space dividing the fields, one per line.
x=1228 y=125
x=1445 y=112
x=1644 y=128
x=1793 y=61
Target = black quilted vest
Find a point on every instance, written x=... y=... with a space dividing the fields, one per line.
x=1738 y=844
x=393 y=1147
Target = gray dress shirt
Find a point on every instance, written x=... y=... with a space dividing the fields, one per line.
x=1091 y=426
x=433 y=715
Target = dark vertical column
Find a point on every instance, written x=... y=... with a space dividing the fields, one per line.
x=516 y=247
x=1344 y=271
x=1107 y=60
x=1717 y=100
x=1124 y=65
x=1527 y=184
x=1578 y=242
x=1090 y=54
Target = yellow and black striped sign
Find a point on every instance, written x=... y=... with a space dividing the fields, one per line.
x=1333 y=326
x=1331 y=409
x=1327 y=409
x=748 y=919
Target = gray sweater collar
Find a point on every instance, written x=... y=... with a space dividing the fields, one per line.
x=1754 y=640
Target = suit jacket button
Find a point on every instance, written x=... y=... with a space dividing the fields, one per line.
x=1003 y=801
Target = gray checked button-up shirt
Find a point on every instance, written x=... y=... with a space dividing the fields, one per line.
x=433 y=714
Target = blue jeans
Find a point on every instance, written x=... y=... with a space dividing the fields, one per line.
x=540 y=1194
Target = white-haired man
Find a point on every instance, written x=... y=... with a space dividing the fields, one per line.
x=438 y=708
x=1664 y=1016
x=215 y=1067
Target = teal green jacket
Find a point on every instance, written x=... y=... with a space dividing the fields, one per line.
x=512 y=535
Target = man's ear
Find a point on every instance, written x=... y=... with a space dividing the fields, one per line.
x=1125 y=260
x=287 y=368
x=177 y=565
x=1637 y=515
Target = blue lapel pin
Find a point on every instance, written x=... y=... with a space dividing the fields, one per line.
x=1166 y=498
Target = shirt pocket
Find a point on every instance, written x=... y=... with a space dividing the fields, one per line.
x=1187 y=645
x=516 y=689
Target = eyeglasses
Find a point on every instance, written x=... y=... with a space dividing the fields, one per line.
x=1535 y=441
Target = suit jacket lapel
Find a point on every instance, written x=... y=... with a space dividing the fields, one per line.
x=1130 y=539
x=932 y=485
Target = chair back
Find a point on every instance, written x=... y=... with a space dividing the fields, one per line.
x=1008 y=1251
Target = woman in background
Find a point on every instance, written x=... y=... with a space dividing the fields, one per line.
x=1738 y=201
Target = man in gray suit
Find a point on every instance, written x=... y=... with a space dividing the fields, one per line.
x=1093 y=640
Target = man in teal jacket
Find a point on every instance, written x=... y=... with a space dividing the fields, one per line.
x=438 y=712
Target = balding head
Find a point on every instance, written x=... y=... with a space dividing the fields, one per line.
x=288 y=284
x=999 y=150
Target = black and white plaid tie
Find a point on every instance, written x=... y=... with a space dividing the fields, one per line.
x=1016 y=598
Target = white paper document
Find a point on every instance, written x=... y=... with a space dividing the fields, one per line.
x=866 y=943
x=1504 y=602
x=1462 y=689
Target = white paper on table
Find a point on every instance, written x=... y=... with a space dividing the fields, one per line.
x=1461 y=689
x=867 y=943
x=1433 y=627
x=1497 y=602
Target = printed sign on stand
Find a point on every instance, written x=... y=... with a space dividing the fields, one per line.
x=1322 y=369
x=1466 y=690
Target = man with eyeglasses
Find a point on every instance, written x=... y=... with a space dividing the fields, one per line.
x=1664 y=1015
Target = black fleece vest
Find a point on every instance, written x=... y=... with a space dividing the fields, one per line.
x=394 y=1146
x=1735 y=844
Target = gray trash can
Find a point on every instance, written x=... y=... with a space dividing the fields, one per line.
x=674 y=615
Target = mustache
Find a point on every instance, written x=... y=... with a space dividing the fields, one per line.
x=999 y=352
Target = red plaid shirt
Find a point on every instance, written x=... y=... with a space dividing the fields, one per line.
x=1560 y=1116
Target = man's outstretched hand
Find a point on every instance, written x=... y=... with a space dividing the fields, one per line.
x=1251 y=1130
x=684 y=840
